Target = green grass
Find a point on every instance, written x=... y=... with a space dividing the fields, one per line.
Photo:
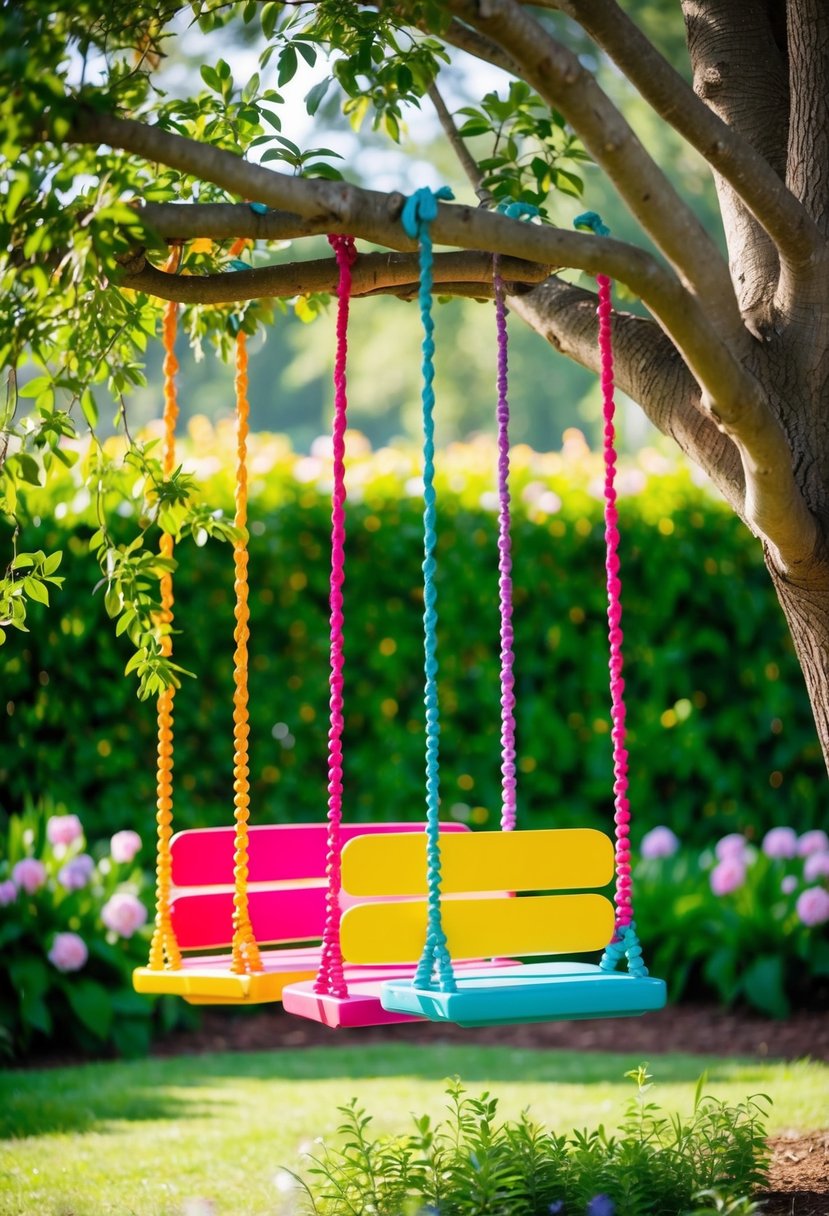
x=147 y=1138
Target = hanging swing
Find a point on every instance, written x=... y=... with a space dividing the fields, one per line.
x=223 y=892
x=577 y=860
x=350 y=996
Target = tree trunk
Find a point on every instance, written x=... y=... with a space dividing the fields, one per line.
x=804 y=599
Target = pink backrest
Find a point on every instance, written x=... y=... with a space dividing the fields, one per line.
x=287 y=881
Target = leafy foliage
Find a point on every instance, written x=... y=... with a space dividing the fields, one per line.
x=707 y=695
x=472 y=1165
x=85 y=1002
x=747 y=945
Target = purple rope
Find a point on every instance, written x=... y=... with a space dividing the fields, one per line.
x=508 y=782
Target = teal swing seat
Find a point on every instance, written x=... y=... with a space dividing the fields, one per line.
x=530 y=992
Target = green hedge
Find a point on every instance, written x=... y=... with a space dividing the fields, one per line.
x=721 y=735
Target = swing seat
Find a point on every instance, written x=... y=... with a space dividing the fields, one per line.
x=363 y=1006
x=533 y=992
x=287 y=890
x=571 y=860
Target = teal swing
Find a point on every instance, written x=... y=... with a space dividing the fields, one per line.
x=455 y=920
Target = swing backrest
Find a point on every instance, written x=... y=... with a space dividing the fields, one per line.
x=385 y=930
x=287 y=881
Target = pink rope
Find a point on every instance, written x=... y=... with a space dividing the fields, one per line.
x=624 y=904
x=330 y=979
x=508 y=782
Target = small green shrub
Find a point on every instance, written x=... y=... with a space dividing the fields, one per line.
x=721 y=733
x=737 y=923
x=472 y=1165
x=73 y=925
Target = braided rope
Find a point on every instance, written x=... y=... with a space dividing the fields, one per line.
x=246 y=955
x=625 y=941
x=435 y=964
x=164 y=946
x=508 y=778
x=330 y=979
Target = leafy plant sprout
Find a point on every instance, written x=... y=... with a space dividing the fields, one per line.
x=470 y=1164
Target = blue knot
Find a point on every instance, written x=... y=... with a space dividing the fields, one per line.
x=259 y=208
x=238 y=264
x=421 y=208
x=591 y=220
x=518 y=211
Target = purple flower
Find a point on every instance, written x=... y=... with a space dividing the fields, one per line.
x=659 y=842
x=600 y=1205
x=728 y=876
x=813 y=906
x=124 y=846
x=77 y=872
x=816 y=866
x=815 y=841
x=69 y=952
x=123 y=914
x=780 y=843
x=29 y=875
x=8 y=893
x=556 y=1207
x=788 y=884
x=732 y=845
x=63 y=829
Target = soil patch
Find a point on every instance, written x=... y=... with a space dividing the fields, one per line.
x=700 y=1030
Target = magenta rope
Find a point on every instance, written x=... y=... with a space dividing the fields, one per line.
x=624 y=895
x=330 y=979
x=508 y=782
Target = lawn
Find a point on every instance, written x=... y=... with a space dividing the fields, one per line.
x=151 y=1138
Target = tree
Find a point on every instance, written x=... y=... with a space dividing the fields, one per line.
x=731 y=362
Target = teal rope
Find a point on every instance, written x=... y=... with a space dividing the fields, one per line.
x=518 y=211
x=593 y=221
x=435 y=964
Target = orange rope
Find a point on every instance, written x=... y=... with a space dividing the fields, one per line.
x=164 y=944
x=245 y=950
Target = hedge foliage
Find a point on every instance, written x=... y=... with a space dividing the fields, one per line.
x=721 y=734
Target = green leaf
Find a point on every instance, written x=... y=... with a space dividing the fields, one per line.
x=314 y=96
x=763 y=985
x=287 y=66
x=51 y=563
x=36 y=591
x=91 y=1005
x=89 y=407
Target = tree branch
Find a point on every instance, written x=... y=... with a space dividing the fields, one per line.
x=731 y=394
x=467 y=160
x=372 y=274
x=465 y=39
x=739 y=72
x=808 y=40
x=648 y=368
x=558 y=76
x=745 y=157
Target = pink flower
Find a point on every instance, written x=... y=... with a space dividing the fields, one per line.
x=780 y=843
x=77 y=872
x=124 y=846
x=815 y=841
x=123 y=914
x=8 y=893
x=63 y=829
x=29 y=875
x=728 y=875
x=69 y=952
x=813 y=906
x=659 y=842
x=732 y=845
x=788 y=884
x=816 y=866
